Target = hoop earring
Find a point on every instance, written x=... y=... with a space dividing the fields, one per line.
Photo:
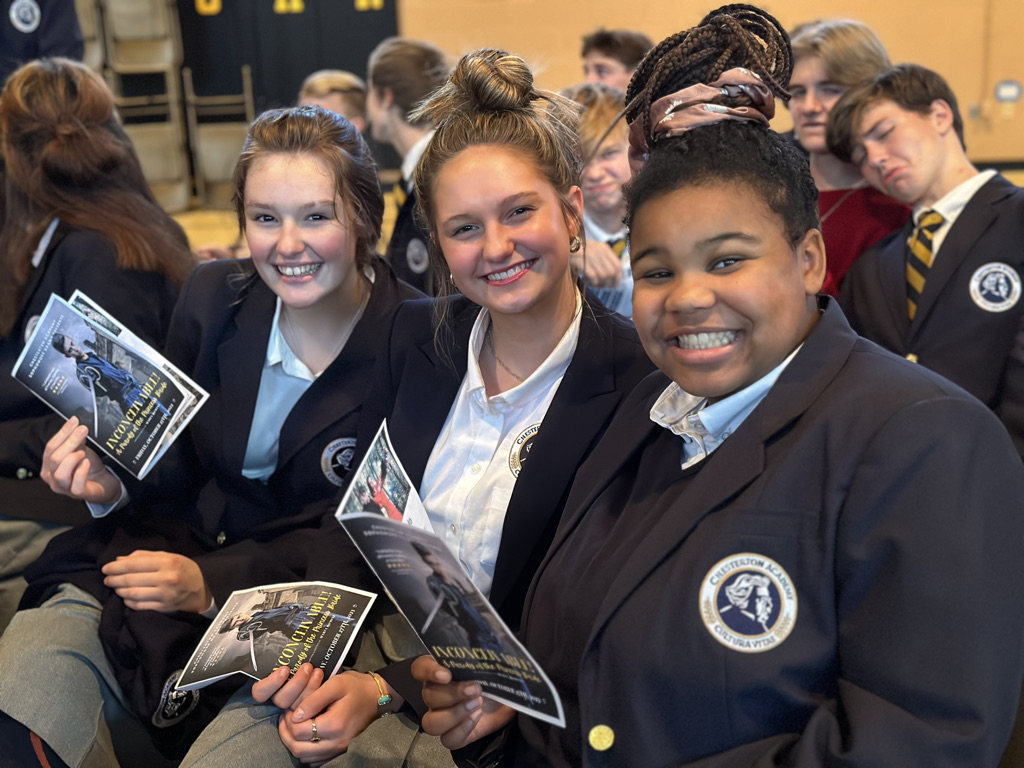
x=575 y=244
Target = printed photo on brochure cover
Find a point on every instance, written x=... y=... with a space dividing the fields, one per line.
x=261 y=629
x=128 y=397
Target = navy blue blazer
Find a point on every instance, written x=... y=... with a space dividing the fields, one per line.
x=241 y=532
x=407 y=251
x=892 y=499
x=142 y=301
x=954 y=333
x=417 y=387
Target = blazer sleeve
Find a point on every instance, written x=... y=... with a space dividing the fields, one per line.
x=928 y=573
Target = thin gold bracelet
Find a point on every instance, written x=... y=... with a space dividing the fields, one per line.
x=385 y=697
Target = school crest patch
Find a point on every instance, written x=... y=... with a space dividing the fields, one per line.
x=521 y=448
x=995 y=287
x=417 y=256
x=336 y=459
x=25 y=16
x=748 y=603
x=174 y=705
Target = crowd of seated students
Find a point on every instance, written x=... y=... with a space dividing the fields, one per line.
x=758 y=524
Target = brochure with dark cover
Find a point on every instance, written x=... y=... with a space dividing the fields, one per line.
x=132 y=400
x=453 y=619
x=261 y=629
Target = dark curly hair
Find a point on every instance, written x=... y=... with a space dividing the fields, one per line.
x=730 y=152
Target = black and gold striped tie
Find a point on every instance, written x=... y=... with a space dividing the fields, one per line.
x=920 y=256
x=399 y=194
x=618 y=245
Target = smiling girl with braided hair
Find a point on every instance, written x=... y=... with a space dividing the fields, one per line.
x=768 y=558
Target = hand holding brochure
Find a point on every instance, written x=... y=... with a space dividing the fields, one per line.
x=261 y=629
x=81 y=362
x=458 y=626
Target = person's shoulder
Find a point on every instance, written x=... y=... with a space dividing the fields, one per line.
x=82 y=246
x=222 y=279
x=883 y=380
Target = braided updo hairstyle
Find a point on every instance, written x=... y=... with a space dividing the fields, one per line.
x=730 y=151
x=490 y=98
x=732 y=36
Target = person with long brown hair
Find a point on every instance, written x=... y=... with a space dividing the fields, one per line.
x=76 y=213
x=285 y=343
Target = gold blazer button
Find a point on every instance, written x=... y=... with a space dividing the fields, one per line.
x=601 y=738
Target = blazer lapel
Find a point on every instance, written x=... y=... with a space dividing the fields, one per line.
x=36 y=278
x=341 y=388
x=585 y=396
x=740 y=459
x=419 y=415
x=976 y=217
x=241 y=358
x=892 y=277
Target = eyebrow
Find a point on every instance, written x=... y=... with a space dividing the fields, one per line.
x=703 y=245
x=305 y=207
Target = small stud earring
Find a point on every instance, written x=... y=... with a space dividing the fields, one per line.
x=575 y=244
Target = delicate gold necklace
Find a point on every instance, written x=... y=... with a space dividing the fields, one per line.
x=490 y=343
x=291 y=337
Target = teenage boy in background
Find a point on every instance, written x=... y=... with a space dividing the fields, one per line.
x=610 y=56
x=945 y=290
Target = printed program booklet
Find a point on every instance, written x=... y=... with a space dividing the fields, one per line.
x=82 y=362
x=279 y=625
x=423 y=578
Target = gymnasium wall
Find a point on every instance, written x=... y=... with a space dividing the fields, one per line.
x=975 y=46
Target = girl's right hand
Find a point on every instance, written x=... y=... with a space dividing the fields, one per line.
x=459 y=714
x=287 y=692
x=72 y=468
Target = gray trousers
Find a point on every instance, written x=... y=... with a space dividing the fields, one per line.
x=245 y=733
x=56 y=680
x=21 y=543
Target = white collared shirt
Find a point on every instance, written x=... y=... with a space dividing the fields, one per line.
x=951 y=205
x=472 y=470
x=412 y=158
x=705 y=427
x=620 y=297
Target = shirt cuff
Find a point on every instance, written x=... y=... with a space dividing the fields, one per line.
x=102 y=510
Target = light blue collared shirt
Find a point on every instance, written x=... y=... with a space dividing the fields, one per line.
x=284 y=380
x=705 y=427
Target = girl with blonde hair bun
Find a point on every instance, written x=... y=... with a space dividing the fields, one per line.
x=493 y=394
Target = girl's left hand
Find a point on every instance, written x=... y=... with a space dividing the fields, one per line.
x=342 y=707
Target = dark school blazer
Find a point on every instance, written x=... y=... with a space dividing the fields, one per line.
x=952 y=333
x=242 y=533
x=891 y=498
x=417 y=388
x=407 y=251
x=143 y=301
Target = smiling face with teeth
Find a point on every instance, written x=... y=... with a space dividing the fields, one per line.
x=504 y=235
x=720 y=296
x=299 y=232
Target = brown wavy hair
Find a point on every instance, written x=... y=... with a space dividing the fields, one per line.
x=65 y=155
x=335 y=142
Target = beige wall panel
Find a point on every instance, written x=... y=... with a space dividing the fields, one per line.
x=974 y=45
